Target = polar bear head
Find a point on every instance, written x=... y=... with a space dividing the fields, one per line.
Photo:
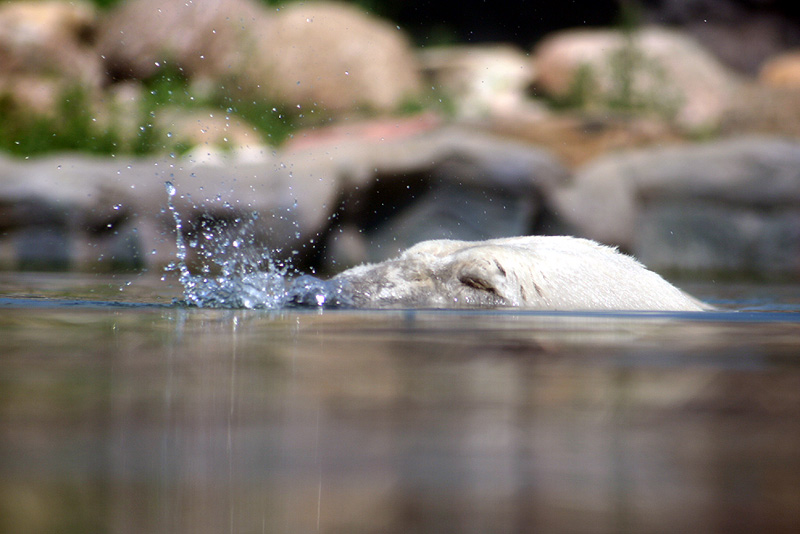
x=537 y=272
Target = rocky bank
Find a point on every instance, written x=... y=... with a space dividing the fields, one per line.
x=643 y=140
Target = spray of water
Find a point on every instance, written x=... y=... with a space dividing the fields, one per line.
x=234 y=271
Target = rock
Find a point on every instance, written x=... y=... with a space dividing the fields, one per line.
x=33 y=95
x=540 y=272
x=651 y=69
x=448 y=182
x=763 y=109
x=77 y=212
x=741 y=33
x=481 y=81
x=207 y=128
x=728 y=206
x=333 y=57
x=46 y=50
x=782 y=70
x=204 y=40
x=578 y=138
x=319 y=205
x=323 y=57
x=49 y=39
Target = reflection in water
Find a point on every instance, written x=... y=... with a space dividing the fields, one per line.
x=154 y=419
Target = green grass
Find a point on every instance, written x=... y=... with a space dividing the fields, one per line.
x=73 y=128
x=78 y=124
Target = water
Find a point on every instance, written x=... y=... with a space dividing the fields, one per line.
x=124 y=412
x=235 y=271
x=230 y=397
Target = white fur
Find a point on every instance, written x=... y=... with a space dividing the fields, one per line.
x=537 y=272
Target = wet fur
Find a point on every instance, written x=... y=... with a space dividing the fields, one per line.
x=537 y=272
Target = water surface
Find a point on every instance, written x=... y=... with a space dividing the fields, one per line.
x=121 y=412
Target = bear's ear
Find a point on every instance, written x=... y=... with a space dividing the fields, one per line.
x=484 y=274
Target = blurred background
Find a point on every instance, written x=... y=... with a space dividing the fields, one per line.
x=336 y=133
x=667 y=128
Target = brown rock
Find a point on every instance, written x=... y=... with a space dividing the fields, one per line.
x=782 y=71
x=653 y=70
x=207 y=128
x=334 y=57
x=488 y=80
x=579 y=138
x=37 y=94
x=329 y=56
x=49 y=38
x=209 y=39
x=766 y=109
x=45 y=50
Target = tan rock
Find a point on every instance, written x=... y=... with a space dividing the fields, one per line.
x=49 y=38
x=35 y=94
x=782 y=71
x=326 y=55
x=208 y=39
x=652 y=70
x=207 y=128
x=480 y=80
x=579 y=138
x=762 y=108
x=334 y=57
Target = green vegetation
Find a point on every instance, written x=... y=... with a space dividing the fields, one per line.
x=73 y=128
x=102 y=125
x=629 y=82
x=81 y=124
x=111 y=121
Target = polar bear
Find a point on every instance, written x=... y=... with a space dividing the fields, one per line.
x=536 y=272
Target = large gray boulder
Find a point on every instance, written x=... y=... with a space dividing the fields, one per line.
x=318 y=205
x=397 y=189
x=730 y=205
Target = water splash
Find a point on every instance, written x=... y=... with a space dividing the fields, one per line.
x=237 y=272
